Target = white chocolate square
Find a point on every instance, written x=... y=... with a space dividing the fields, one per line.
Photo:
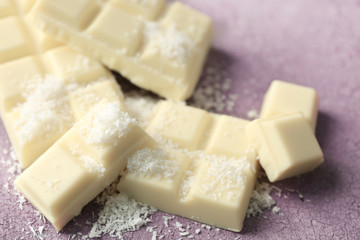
x=229 y=137
x=286 y=145
x=29 y=139
x=57 y=177
x=284 y=97
x=13 y=82
x=148 y=9
x=221 y=191
x=156 y=177
x=15 y=43
x=128 y=30
x=75 y=67
x=181 y=124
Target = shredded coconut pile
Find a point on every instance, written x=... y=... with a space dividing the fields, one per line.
x=212 y=94
x=121 y=214
x=107 y=123
x=152 y=163
x=46 y=109
x=260 y=199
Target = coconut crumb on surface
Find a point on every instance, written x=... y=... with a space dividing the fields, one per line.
x=167 y=219
x=275 y=210
x=260 y=199
x=184 y=233
x=252 y=114
x=121 y=214
x=212 y=94
x=154 y=235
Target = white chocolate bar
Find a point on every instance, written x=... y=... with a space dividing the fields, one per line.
x=84 y=161
x=157 y=46
x=284 y=97
x=286 y=145
x=207 y=172
x=38 y=81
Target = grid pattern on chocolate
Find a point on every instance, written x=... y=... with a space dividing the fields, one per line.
x=76 y=169
x=160 y=47
x=215 y=168
x=38 y=79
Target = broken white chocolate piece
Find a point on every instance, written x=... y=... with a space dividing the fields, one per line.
x=207 y=172
x=36 y=79
x=158 y=47
x=40 y=106
x=84 y=161
x=286 y=145
x=284 y=97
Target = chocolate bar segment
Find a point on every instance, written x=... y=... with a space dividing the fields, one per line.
x=84 y=161
x=164 y=55
x=283 y=97
x=205 y=171
x=286 y=145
